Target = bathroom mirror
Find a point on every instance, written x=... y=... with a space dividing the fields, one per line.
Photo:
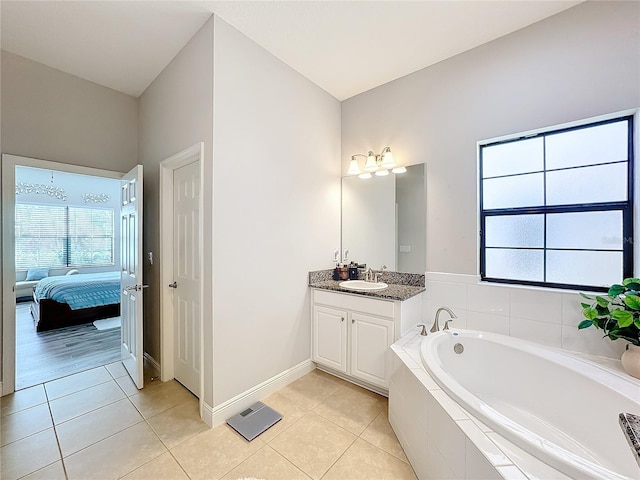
x=384 y=220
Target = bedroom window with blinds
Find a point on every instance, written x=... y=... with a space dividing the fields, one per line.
x=556 y=207
x=55 y=236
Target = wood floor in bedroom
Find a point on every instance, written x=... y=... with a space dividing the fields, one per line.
x=45 y=356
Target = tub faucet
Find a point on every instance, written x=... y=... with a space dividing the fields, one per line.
x=436 y=326
x=423 y=330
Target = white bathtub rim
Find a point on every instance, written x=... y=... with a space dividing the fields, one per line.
x=554 y=455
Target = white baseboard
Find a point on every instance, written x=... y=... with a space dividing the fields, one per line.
x=206 y=413
x=152 y=361
x=240 y=402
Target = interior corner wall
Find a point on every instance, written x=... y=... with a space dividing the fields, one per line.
x=52 y=115
x=276 y=209
x=580 y=63
x=176 y=112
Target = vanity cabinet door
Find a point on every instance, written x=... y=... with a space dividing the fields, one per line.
x=330 y=337
x=370 y=354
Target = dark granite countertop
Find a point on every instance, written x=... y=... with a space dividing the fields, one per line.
x=631 y=427
x=412 y=285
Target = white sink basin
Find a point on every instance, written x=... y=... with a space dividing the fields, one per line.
x=362 y=285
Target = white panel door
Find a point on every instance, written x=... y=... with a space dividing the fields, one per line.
x=186 y=275
x=371 y=338
x=131 y=273
x=330 y=338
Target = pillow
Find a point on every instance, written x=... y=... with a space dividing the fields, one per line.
x=37 y=273
x=72 y=272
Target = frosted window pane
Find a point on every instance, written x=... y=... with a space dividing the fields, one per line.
x=597 y=269
x=593 y=230
x=605 y=183
x=601 y=144
x=514 y=264
x=515 y=157
x=518 y=191
x=514 y=231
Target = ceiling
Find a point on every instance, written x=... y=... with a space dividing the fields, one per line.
x=345 y=47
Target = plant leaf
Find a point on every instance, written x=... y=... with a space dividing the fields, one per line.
x=627 y=281
x=636 y=322
x=603 y=302
x=585 y=305
x=624 y=317
x=585 y=324
x=632 y=301
x=615 y=290
x=587 y=296
x=590 y=313
x=633 y=286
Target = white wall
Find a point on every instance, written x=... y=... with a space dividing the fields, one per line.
x=578 y=64
x=51 y=115
x=176 y=111
x=276 y=209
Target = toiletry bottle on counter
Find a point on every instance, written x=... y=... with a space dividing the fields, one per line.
x=344 y=273
x=353 y=271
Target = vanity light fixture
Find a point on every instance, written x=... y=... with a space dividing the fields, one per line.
x=378 y=164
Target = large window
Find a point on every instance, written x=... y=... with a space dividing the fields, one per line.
x=57 y=236
x=556 y=207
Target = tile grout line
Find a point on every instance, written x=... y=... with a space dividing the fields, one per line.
x=55 y=432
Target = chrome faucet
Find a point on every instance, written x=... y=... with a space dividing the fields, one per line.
x=436 y=326
x=377 y=275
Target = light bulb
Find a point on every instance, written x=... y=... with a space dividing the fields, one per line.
x=382 y=172
x=399 y=170
x=365 y=175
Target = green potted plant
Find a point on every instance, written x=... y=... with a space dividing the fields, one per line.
x=618 y=314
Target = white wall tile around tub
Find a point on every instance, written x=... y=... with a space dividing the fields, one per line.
x=571 y=309
x=478 y=467
x=511 y=472
x=487 y=322
x=539 y=332
x=447 y=294
x=536 y=305
x=488 y=299
x=453 y=277
x=483 y=444
x=450 y=440
x=438 y=467
x=589 y=340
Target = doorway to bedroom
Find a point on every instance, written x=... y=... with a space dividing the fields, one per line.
x=67 y=273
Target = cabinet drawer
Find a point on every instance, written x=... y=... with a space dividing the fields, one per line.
x=368 y=305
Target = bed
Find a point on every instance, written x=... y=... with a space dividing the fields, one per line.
x=65 y=300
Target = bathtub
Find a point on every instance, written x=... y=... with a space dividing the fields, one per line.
x=560 y=408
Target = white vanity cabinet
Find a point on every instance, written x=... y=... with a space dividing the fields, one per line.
x=352 y=333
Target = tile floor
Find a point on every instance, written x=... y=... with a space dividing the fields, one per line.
x=97 y=425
